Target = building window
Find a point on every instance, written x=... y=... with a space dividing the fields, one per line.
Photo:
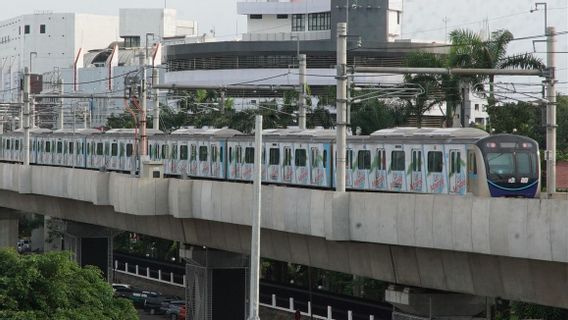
x=132 y=42
x=476 y=107
x=281 y=16
x=42 y=28
x=398 y=17
x=256 y=16
x=298 y=23
x=319 y=21
x=27 y=29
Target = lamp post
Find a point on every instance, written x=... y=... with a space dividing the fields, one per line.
x=545 y=5
x=34 y=54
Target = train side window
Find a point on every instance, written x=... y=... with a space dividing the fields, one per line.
x=221 y=154
x=249 y=155
x=397 y=161
x=121 y=150
x=325 y=158
x=71 y=149
x=472 y=163
x=364 y=160
x=416 y=161
x=114 y=149
x=48 y=146
x=59 y=147
x=203 y=153
x=300 y=157
x=214 y=154
x=129 y=150
x=381 y=159
x=435 y=161
x=100 y=148
x=287 y=156
x=16 y=145
x=183 y=152
x=7 y=144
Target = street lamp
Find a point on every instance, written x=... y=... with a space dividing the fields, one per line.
x=147 y=36
x=34 y=54
x=544 y=4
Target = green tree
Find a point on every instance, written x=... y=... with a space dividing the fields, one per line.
x=51 y=286
x=562 y=122
x=374 y=115
x=522 y=118
x=470 y=51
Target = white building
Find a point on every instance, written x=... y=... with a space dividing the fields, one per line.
x=44 y=41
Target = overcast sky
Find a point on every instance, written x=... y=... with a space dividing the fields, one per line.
x=423 y=19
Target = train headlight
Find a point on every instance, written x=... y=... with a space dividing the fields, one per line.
x=491 y=145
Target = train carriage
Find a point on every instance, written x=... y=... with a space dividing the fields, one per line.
x=12 y=144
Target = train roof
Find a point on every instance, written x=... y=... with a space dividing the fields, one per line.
x=130 y=132
x=35 y=130
x=221 y=132
x=82 y=131
x=294 y=131
x=445 y=134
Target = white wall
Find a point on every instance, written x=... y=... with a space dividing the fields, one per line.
x=94 y=32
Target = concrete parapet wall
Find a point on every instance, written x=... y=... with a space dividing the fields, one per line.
x=520 y=228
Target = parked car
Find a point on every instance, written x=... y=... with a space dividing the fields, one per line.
x=24 y=245
x=116 y=286
x=157 y=304
x=182 y=313
x=172 y=308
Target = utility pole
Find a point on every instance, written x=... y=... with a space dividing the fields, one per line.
x=143 y=94
x=26 y=115
x=156 y=94
x=550 y=155
x=256 y=212
x=341 y=124
x=60 y=120
x=302 y=96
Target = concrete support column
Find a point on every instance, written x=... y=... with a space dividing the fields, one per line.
x=8 y=228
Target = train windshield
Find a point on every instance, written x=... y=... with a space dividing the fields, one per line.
x=506 y=164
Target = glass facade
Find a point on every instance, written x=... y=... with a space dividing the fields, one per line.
x=319 y=21
x=298 y=22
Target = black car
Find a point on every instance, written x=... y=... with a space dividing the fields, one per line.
x=157 y=304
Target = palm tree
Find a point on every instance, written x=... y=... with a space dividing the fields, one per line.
x=470 y=51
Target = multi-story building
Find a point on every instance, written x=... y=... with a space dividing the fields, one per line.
x=45 y=41
x=140 y=30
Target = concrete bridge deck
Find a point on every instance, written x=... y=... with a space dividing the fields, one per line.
x=511 y=248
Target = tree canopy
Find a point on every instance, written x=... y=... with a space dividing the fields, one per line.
x=53 y=287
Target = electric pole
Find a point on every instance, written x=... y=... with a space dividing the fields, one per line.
x=550 y=155
x=60 y=120
x=341 y=105
x=302 y=93
x=26 y=116
x=156 y=94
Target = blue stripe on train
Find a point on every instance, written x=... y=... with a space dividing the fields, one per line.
x=527 y=192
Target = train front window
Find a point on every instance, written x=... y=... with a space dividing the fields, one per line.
x=526 y=166
x=500 y=163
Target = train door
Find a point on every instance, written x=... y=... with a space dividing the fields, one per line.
x=163 y=154
x=50 y=147
x=80 y=151
x=361 y=167
x=174 y=162
x=247 y=167
x=130 y=155
x=416 y=170
x=349 y=168
x=274 y=163
x=301 y=170
x=180 y=167
x=457 y=175
x=203 y=158
x=379 y=170
x=318 y=165
x=472 y=172
x=216 y=171
x=435 y=169
x=396 y=159
x=70 y=146
x=193 y=158
x=235 y=160
x=99 y=154
x=287 y=164
x=114 y=160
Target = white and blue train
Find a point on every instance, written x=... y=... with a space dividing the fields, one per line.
x=427 y=160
